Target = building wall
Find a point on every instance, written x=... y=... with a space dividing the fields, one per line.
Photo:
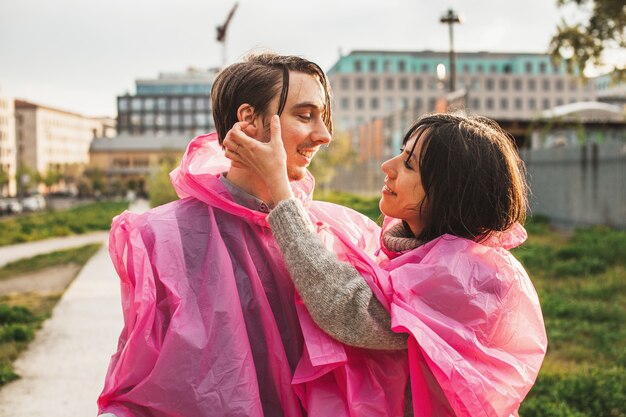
x=48 y=137
x=578 y=186
x=8 y=150
x=500 y=86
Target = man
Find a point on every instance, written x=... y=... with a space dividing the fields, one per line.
x=212 y=322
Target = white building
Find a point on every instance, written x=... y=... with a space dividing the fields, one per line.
x=52 y=139
x=8 y=152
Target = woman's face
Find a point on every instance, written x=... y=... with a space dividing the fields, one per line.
x=403 y=193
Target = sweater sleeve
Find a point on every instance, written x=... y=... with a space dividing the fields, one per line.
x=337 y=297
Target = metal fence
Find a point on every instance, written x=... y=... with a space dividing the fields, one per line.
x=573 y=186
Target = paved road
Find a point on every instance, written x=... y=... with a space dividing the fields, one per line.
x=63 y=370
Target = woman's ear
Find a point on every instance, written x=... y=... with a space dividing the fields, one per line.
x=245 y=113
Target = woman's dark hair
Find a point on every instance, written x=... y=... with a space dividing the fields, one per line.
x=473 y=178
x=256 y=81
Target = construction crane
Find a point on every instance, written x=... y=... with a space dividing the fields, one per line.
x=221 y=33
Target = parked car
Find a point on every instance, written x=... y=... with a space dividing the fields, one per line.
x=10 y=206
x=35 y=202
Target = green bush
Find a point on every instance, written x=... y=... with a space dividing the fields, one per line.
x=6 y=373
x=592 y=393
x=364 y=205
x=16 y=314
x=16 y=332
x=579 y=267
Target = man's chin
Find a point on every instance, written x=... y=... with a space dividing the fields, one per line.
x=296 y=174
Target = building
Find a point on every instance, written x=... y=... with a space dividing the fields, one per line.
x=128 y=160
x=8 y=154
x=174 y=103
x=53 y=140
x=503 y=86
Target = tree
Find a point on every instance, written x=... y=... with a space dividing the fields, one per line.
x=324 y=166
x=159 y=187
x=586 y=41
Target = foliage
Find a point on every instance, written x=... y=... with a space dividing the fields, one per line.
x=364 y=205
x=37 y=226
x=22 y=314
x=324 y=166
x=159 y=187
x=587 y=41
x=78 y=255
x=581 y=284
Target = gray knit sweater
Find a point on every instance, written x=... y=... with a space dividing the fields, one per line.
x=337 y=297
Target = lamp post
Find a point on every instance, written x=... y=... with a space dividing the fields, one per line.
x=450 y=18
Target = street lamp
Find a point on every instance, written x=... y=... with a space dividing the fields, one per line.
x=450 y=18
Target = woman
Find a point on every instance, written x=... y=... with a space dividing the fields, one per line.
x=453 y=200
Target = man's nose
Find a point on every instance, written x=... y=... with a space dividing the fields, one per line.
x=322 y=136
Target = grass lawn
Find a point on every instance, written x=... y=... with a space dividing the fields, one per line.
x=21 y=314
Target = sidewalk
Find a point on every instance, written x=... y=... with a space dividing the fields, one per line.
x=63 y=370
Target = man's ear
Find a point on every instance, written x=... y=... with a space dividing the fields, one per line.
x=245 y=113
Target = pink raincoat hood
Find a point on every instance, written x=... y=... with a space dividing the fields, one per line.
x=212 y=323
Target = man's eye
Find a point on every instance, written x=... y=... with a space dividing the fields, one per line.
x=305 y=116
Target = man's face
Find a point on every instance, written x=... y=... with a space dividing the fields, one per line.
x=302 y=126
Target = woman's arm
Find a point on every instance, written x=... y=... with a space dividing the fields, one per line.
x=337 y=297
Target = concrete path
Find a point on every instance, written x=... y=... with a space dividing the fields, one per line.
x=63 y=370
x=30 y=249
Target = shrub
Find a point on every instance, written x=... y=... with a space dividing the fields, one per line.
x=16 y=314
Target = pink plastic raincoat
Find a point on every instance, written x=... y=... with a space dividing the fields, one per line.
x=477 y=337
x=212 y=325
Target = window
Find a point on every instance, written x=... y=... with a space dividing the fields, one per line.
x=517 y=84
x=404 y=84
x=504 y=84
x=122 y=104
x=187 y=103
x=404 y=102
x=401 y=66
x=373 y=66
x=542 y=67
x=359 y=84
x=161 y=103
x=546 y=85
x=345 y=83
x=159 y=120
x=546 y=103
x=508 y=69
x=148 y=119
x=374 y=84
x=480 y=69
x=174 y=120
x=432 y=102
x=357 y=66
x=418 y=103
x=374 y=103
x=489 y=103
x=148 y=104
x=202 y=103
x=418 y=84
x=476 y=103
x=174 y=104
x=345 y=103
x=573 y=85
x=389 y=104
x=425 y=68
x=532 y=85
x=489 y=84
x=386 y=66
x=518 y=104
x=504 y=104
x=136 y=104
x=360 y=103
x=559 y=85
x=559 y=101
x=529 y=67
x=532 y=104
x=493 y=69
x=389 y=83
x=466 y=68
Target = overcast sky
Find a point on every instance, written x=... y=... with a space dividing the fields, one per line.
x=80 y=54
